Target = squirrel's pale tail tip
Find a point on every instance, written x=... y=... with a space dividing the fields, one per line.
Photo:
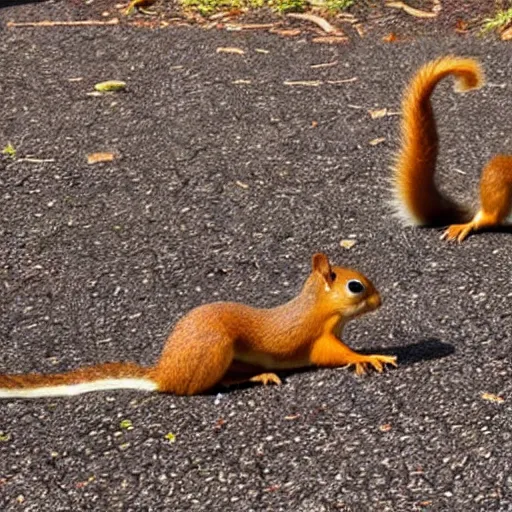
x=469 y=76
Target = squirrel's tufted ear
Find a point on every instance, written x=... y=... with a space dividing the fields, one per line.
x=321 y=265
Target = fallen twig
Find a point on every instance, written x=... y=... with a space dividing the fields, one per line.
x=250 y=26
x=330 y=39
x=416 y=12
x=321 y=22
x=230 y=49
x=324 y=65
x=306 y=83
x=344 y=81
x=35 y=160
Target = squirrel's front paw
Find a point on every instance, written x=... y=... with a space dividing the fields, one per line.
x=376 y=361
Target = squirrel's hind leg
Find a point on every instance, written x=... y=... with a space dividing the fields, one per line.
x=495 y=199
x=240 y=372
x=480 y=221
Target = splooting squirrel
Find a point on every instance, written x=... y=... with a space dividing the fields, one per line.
x=417 y=199
x=227 y=343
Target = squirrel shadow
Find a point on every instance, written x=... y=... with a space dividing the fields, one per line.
x=425 y=350
x=498 y=229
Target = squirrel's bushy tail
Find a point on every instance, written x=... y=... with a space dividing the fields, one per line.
x=91 y=378
x=417 y=198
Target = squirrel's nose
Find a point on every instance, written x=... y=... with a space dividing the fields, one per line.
x=374 y=300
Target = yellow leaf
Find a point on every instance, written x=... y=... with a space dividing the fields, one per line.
x=380 y=112
x=170 y=437
x=374 y=142
x=347 y=244
x=94 y=158
x=492 y=398
x=110 y=86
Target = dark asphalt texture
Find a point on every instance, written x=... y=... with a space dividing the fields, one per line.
x=222 y=191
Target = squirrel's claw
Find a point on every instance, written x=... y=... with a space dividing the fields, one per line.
x=457 y=232
x=377 y=361
x=266 y=378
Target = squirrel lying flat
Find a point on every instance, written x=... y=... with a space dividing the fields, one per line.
x=227 y=343
x=417 y=198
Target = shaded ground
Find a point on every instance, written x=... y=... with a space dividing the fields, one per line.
x=226 y=180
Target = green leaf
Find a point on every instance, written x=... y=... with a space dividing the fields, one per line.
x=170 y=437
x=126 y=424
x=110 y=86
x=9 y=150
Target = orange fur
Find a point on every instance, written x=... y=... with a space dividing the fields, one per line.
x=417 y=197
x=223 y=343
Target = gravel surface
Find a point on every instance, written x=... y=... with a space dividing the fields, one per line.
x=225 y=181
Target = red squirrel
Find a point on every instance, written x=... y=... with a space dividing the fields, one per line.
x=417 y=198
x=227 y=343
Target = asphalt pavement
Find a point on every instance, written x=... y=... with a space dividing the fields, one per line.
x=227 y=176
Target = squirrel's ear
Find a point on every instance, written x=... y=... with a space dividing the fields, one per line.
x=322 y=266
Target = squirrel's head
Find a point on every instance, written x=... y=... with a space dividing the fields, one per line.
x=343 y=290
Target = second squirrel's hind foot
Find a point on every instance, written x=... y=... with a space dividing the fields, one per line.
x=481 y=220
x=458 y=232
x=266 y=378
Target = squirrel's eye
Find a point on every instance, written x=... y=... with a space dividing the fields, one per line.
x=355 y=286
x=333 y=276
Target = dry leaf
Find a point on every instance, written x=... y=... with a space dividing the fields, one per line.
x=314 y=124
x=241 y=184
x=305 y=83
x=219 y=423
x=241 y=81
x=412 y=11
x=376 y=141
x=359 y=28
x=506 y=35
x=321 y=22
x=230 y=49
x=492 y=398
x=390 y=38
x=385 y=428
x=461 y=26
x=376 y=114
x=292 y=417
x=261 y=50
x=330 y=39
x=347 y=244
x=94 y=158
